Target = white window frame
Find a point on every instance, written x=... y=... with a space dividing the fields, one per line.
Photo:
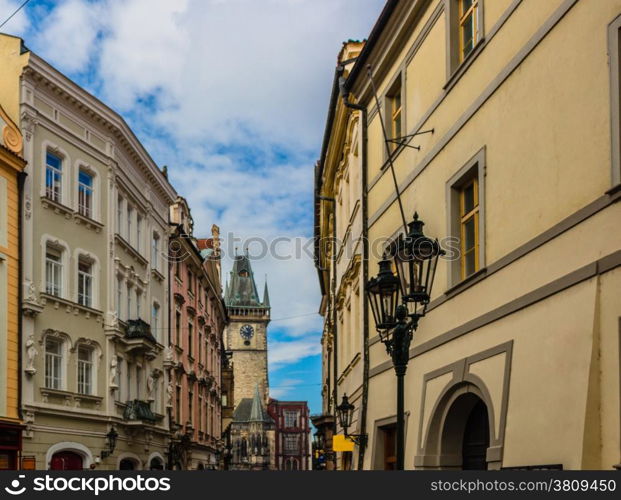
x=55 y=380
x=155 y=251
x=65 y=183
x=85 y=384
x=54 y=271
x=94 y=212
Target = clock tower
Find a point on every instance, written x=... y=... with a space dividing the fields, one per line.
x=246 y=334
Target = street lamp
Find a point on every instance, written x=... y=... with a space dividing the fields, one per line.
x=345 y=414
x=110 y=442
x=415 y=258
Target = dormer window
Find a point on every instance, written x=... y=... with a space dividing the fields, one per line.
x=243 y=273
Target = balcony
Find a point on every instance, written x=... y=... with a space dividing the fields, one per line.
x=138 y=410
x=138 y=337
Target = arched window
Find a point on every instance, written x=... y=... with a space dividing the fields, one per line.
x=156 y=464
x=54 y=363
x=54 y=270
x=86 y=185
x=127 y=464
x=53 y=176
x=85 y=370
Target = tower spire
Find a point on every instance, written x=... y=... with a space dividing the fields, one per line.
x=266 y=295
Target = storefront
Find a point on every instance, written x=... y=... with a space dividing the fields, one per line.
x=10 y=446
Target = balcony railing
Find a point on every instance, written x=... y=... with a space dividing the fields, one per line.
x=139 y=410
x=138 y=329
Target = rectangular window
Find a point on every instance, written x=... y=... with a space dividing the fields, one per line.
x=155 y=320
x=468 y=27
x=138 y=382
x=388 y=436
x=190 y=406
x=395 y=113
x=85 y=282
x=138 y=232
x=178 y=403
x=119 y=216
x=85 y=370
x=119 y=298
x=291 y=419
x=130 y=214
x=469 y=224
x=190 y=338
x=129 y=381
x=53 y=177
x=155 y=252
x=53 y=363
x=53 y=272
x=190 y=287
x=138 y=304
x=466 y=203
x=291 y=444
x=129 y=303
x=178 y=328
x=85 y=194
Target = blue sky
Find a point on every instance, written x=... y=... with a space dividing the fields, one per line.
x=231 y=95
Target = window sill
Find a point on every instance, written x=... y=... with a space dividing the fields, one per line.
x=157 y=275
x=130 y=249
x=88 y=222
x=71 y=306
x=57 y=207
x=463 y=66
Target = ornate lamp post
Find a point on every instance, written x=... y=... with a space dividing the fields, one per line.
x=415 y=258
x=110 y=442
x=345 y=414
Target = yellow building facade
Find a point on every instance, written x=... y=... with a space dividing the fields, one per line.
x=11 y=167
x=503 y=126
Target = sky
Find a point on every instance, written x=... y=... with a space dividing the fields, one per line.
x=232 y=96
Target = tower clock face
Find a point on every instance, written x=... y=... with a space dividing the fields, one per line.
x=246 y=332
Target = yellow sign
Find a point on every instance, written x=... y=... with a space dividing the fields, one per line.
x=342 y=443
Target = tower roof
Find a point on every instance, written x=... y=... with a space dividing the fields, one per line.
x=252 y=410
x=242 y=289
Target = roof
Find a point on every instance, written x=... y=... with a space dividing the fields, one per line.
x=252 y=410
x=242 y=289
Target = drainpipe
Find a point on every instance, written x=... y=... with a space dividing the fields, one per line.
x=365 y=265
x=21 y=179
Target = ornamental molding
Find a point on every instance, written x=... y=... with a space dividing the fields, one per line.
x=10 y=136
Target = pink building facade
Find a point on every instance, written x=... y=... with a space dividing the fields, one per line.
x=194 y=357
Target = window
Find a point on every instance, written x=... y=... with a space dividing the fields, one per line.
x=291 y=419
x=53 y=177
x=119 y=379
x=138 y=232
x=178 y=403
x=190 y=287
x=200 y=412
x=614 y=51
x=119 y=215
x=190 y=404
x=291 y=444
x=178 y=327
x=129 y=381
x=138 y=303
x=155 y=320
x=85 y=194
x=53 y=363
x=394 y=108
x=468 y=27
x=190 y=338
x=129 y=303
x=138 y=382
x=388 y=437
x=130 y=213
x=200 y=345
x=85 y=370
x=119 y=297
x=469 y=221
x=53 y=271
x=85 y=282
x=155 y=251
x=466 y=202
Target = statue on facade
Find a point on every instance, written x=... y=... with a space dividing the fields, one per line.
x=31 y=353
x=169 y=395
x=150 y=385
x=113 y=372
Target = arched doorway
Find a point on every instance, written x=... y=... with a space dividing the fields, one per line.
x=156 y=464
x=127 y=464
x=465 y=433
x=66 y=460
x=476 y=439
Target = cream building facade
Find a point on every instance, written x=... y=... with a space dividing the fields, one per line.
x=505 y=122
x=95 y=276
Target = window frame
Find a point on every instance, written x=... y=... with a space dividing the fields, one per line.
x=614 y=54
x=58 y=271
x=81 y=275
x=474 y=167
x=454 y=60
x=465 y=218
x=88 y=366
x=396 y=88
x=58 y=171
x=59 y=361
x=473 y=11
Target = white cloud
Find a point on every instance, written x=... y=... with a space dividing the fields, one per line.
x=235 y=86
x=284 y=388
x=284 y=353
x=70 y=33
x=18 y=24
